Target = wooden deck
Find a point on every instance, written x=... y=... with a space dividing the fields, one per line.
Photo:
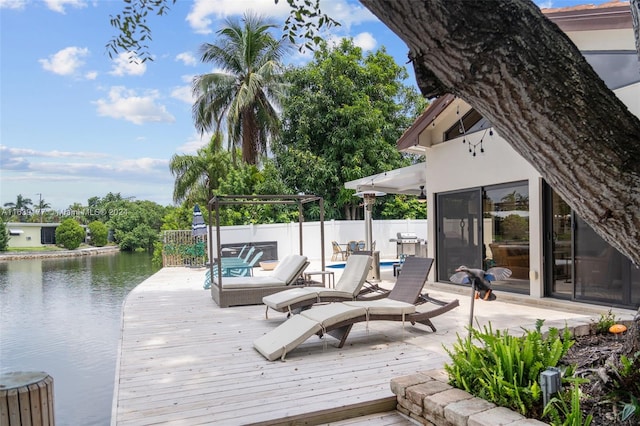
x=184 y=361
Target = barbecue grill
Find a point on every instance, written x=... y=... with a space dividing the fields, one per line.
x=407 y=243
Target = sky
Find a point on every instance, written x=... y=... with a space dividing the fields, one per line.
x=75 y=123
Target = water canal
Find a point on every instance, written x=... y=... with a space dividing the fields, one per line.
x=62 y=316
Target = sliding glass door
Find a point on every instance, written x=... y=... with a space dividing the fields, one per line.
x=459 y=231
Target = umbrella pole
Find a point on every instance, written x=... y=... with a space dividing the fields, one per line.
x=473 y=299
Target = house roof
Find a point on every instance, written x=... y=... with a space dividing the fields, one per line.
x=610 y=16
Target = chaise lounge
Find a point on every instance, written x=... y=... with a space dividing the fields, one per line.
x=347 y=288
x=250 y=290
x=337 y=319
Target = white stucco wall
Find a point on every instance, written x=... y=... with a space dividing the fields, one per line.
x=451 y=167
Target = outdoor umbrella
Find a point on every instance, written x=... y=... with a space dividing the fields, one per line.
x=198 y=227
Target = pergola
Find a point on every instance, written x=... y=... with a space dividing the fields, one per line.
x=227 y=200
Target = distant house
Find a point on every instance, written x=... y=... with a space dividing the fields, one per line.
x=32 y=234
x=508 y=215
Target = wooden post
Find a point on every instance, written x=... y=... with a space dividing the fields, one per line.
x=26 y=399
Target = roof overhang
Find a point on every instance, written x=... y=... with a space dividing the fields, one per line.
x=406 y=180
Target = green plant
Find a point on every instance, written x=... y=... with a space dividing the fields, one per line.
x=69 y=234
x=567 y=414
x=605 y=322
x=4 y=236
x=630 y=409
x=504 y=369
x=99 y=232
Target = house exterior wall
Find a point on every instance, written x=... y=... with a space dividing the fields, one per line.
x=452 y=167
x=30 y=236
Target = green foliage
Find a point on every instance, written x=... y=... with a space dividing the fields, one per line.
x=504 y=369
x=137 y=225
x=605 y=322
x=562 y=413
x=630 y=409
x=69 y=234
x=515 y=227
x=4 y=236
x=181 y=217
x=99 y=232
x=198 y=176
x=626 y=386
x=403 y=207
x=341 y=119
x=246 y=94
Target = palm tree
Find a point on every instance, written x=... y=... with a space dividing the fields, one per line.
x=42 y=205
x=197 y=176
x=21 y=207
x=246 y=92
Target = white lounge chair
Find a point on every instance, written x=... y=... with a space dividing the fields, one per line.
x=337 y=319
x=347 y=288
x=250 y=290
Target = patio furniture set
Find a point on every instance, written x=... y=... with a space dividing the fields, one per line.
x=312 y=308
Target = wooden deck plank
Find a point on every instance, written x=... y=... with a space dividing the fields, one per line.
x=184 y=361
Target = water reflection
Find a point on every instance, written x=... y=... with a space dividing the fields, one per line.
x=62 y=316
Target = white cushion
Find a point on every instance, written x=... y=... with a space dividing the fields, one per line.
x=287 y=336
x=288 y=297
x=332 y=313
x=383 y=306
x=250 y=282
x=355 y=273
x=288 y=267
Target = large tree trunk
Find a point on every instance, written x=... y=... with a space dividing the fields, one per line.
x=520 y=71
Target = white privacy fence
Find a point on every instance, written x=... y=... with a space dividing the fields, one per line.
x=287 y=235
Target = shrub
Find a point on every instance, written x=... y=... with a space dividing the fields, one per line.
x=4 y=236
x=505 y=369
x=69 y=234
x=99 y=233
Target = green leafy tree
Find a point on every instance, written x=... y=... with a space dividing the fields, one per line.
x=403 y=207
x=21 y=209
x=137 y=225
x=4 y=236
x=69 y=234
x=99 y=232
x=247 y=179
x=341 y=119
x=198 y=176
x=247 y=92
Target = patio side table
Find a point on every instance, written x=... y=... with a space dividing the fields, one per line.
x=331 y=277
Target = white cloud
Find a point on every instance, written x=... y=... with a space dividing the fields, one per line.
x=183 y=93
x=91 y=75
x=187 y=58
x=127 y=63
x=13 y=4
x=194 y=144
x=199 y=17
x=66 y=61
x=365 y=41
x=59 y=5
x=127 y=105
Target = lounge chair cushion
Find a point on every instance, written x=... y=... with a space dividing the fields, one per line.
x=291 y=296
x=251 y=282
x=288 y=268
x=348 y=286
x=286 y=271
x=383 y=306
x=354 y=274
x=332 y=313
x=286 y=337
